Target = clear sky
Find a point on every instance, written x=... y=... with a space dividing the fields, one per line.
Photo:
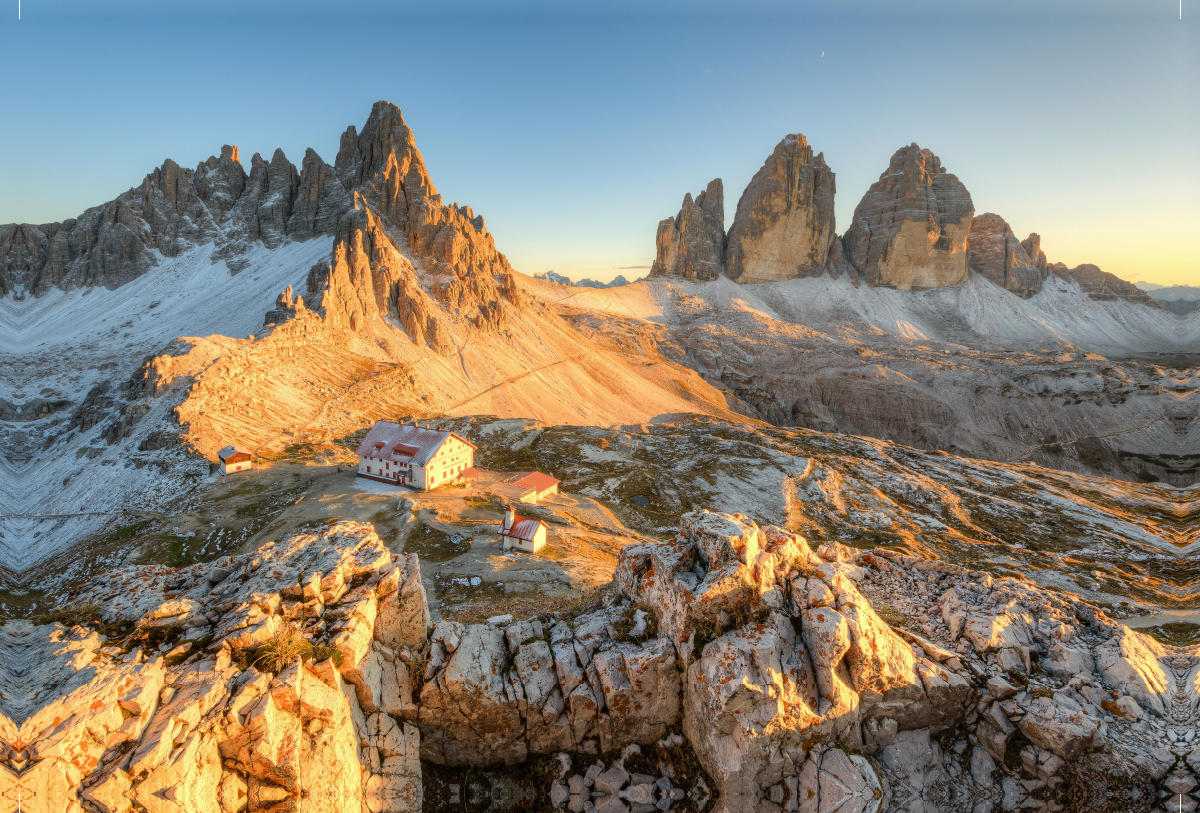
x=574 y=127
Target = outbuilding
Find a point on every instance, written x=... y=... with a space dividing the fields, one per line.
x=522 y=533
x=414 y=456
x=535 y=486
x=234 y=458
x=526 y=486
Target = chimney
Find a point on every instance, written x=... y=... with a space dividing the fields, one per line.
x=510 y=516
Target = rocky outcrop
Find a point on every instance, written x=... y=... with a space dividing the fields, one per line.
x=784 y=226
x=204 y=722
x=827 y=680
x=398 y=223
x=1101 y=285
x=910 y=229
x=692 y=244
x=997 y=255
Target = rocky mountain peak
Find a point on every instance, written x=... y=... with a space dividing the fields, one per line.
x=784 y=226
x=910 y=229
x=692 y=244
x=384 y=162
x=395 y=222
x=1033 y=250
x=1101 y=285
x=220 y=181
x=996 y=255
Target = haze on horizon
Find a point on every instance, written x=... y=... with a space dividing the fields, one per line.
x=575 y=133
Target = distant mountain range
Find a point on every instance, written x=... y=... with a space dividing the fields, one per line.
x=1179 y=299
x=551 y=276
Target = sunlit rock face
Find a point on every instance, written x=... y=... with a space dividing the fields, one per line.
x=784 y=226
x=692 y=244
x=180 y=711
x=910 y=229
x=733 y=665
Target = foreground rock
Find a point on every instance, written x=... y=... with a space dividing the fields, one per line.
x=188 y=724
x=910 y=229
x=784 y=226
x=803 y=681
x=692 y=244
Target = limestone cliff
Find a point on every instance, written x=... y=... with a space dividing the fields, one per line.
x=784 y=226
x=1101 y=285
x=996 y=254
x=1020 y=266
x=692 y=244
x=910 y=229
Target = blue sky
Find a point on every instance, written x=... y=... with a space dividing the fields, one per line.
x=574 y=128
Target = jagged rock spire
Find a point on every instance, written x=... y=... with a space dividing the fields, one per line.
x=997 y=255
x=692 y=244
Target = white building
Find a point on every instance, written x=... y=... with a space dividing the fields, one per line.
x=234 y=458
x=410 y=455
x=522 y=533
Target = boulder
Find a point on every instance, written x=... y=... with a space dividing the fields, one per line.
x=1057 y=727
x=1133 y=661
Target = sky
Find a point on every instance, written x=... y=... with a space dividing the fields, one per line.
x=575 y=127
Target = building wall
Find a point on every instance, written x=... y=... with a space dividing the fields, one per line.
x=379 y=468
x=230 y=468
x=453 y=457
x=538 y=542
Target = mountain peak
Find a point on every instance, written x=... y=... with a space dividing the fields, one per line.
x=910 y=230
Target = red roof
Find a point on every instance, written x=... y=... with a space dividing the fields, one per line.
x=470 y=472
x=536 y=481
x=522 y=527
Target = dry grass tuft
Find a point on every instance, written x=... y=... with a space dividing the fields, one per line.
x=891 y=616
x=288 y=646
x=79 y=615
